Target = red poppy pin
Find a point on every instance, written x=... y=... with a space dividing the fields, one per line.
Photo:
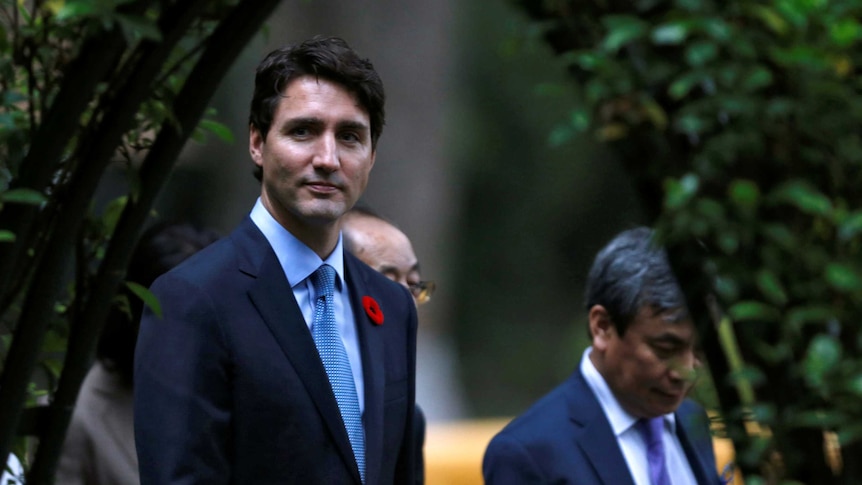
x=372 y=309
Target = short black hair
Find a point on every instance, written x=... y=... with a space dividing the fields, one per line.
x=632 y=272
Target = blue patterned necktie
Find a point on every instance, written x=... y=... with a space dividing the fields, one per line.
x=651 y=431
x=334 y=357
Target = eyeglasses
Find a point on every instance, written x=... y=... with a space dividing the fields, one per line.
x=422 y=291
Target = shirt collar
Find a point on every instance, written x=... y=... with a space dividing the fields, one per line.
x=620 y=420
x=297 y=260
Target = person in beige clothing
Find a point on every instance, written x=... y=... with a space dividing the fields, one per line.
x=100 y=442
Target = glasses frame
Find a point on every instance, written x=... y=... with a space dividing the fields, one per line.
x=422 y=291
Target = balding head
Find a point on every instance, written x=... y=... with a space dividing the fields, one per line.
x=381 y=245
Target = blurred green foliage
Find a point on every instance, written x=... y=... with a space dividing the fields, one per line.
x=538 y=204
x=739 y=122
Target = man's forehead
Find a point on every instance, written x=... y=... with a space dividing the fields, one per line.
x=669 y=315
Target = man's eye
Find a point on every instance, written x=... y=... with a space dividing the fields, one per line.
x=665 y=351
x=350 y=137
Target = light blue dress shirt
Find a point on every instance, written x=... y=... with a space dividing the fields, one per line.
x=298 y=262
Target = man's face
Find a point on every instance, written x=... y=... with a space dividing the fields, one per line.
x=385 y=248
x=317 y=155
x=651 y=368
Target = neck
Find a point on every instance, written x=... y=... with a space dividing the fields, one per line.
x=320 y=236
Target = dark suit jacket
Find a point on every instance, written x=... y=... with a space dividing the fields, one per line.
x=230 y=389
x=565 y=438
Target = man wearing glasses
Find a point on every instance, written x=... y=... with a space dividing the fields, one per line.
x=384 y=247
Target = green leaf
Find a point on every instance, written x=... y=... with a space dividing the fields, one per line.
x=691 y=124
x=700 y=53
x=679 y=192
x=851 y=227
x=135 y=27
x=799 y=316
x=842 y=277
x=587 y=60
x=745 y=194
x=770 y=286
x=717 y=29
x=670 y=34
x=580 y=120
x=6 y=236
x=824 y=353
x=711 y=210
x=146 y=296
x=845 y=32
x=854 y=384
x=804 y=196
x=751 y=310
x=728 y=242
x=23 y=196
x=769 y=17
x=782 y=236
x=622 y=29
x=221 y=131
x=73 y=10
x=755 y=79
x=727 y=287
x=682 y=85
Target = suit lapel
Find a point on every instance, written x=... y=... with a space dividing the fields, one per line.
x=371 y=349
x=693 y=444
x=595 y=436
x=272 y=296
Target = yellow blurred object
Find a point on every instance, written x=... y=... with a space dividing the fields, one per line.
x=454 y=451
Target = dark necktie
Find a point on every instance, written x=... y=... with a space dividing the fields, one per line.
x=651 y=431
x=334 y=357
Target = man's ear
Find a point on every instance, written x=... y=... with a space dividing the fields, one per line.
x=601 y=327
x=255 y=145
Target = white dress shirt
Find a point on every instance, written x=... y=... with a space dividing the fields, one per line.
x=298 y=262
x=631 y=443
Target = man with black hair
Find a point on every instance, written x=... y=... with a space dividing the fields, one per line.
x=623 y=417
x=280 y=358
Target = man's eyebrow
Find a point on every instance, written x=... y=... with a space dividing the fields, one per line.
x=669 y=338
x=352 y=125
x=388 y=269
x=303 y=120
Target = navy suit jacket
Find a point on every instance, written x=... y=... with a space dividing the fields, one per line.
x=565 y=438
x=230 y=389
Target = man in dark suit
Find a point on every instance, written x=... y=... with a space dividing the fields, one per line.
x=278 y=357
x=622 y=418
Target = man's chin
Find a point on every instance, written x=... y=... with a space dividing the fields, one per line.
x=323 y=213
x=665 y=403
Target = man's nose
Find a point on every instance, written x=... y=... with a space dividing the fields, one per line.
x=326 y=154
x=684 y=367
